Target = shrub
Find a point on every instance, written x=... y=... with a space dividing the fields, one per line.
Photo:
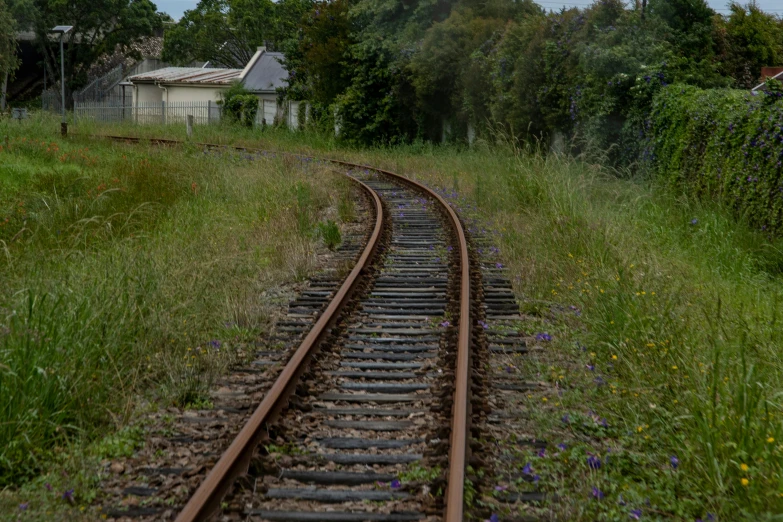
x=239 y=105
x=722 y=144
x=330 y=233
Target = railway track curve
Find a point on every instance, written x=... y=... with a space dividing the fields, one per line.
x=393 y=379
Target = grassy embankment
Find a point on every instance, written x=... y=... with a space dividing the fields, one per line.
x=119 y=265
x=677 y=308
x=663 y=313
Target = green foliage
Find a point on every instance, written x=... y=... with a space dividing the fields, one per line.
x=329 y=232
x=723 y=145
x=227 y=32
x=119 y=444
x=115 y=267
x=107 y=25
x=8 y=59
x=417 y=473
x=398 y=73
x=315 y=62
x=749 y=40
x=239 y=105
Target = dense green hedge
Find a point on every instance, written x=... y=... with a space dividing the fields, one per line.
x=723 y=144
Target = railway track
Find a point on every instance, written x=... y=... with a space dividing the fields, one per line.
x=369 y=417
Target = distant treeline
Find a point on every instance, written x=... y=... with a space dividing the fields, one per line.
x=401 y=70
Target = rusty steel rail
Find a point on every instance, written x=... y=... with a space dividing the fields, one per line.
x=234 y=462
x=458 y=449
x=236 y=459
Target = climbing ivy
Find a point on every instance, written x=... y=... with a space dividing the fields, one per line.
x=722 y=144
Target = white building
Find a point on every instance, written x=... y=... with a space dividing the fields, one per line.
x=261 y=76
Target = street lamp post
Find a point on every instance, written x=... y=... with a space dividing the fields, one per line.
x=62 y=30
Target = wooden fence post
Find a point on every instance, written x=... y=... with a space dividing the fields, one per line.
x=189 y=119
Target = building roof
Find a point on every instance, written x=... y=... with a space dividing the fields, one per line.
x=778 y=76
x=191 y=75
x=264 y=72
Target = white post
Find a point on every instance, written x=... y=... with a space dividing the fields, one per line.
x=190 y=125
x=163 y=112
x=209 y=112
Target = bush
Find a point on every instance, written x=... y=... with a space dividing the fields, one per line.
x=723 y=144
x=239 y=105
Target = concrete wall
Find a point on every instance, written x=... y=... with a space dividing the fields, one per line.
x=144 y=93
x=195 y=94
x=148 y=93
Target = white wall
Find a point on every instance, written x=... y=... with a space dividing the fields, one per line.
x=145 y=93
x=195 y=94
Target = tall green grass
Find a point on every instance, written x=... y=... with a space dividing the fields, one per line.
x=679 y=305
x=118 y=267
x=687 y=298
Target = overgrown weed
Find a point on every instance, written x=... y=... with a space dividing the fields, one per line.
x=121 y=266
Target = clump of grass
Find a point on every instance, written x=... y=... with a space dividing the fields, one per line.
x=346 y=203
x=329 y=232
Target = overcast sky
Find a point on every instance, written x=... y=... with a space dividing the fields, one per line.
x=176 y=7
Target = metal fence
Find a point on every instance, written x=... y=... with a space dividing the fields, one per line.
x=51 y=101
x=120 y=108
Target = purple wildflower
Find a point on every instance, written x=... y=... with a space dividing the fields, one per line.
x=445 y=324
x=23 y=506
x=493 y=518
x=562 y=446
x=215 y=344
x=536 y=478
x=543 y=336
x=509 y=369
x=68 y=495
x=593 y=462
x=501 y=488
x=395 y=484
x=674 y=461
x=636 y=514
x=48 y=486
x=484 y=325
x=498 y=265
x=591 y=367
x=597 y=493
x=694 y=221
x=449 y=248
x=566 y=419
x=528 y=469
x=542 y=453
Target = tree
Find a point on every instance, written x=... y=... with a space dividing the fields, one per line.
x=227 y=32
x=239 y=105
x=750 y=39
x=315 y=60
x=8 y=58
x=99 y=27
